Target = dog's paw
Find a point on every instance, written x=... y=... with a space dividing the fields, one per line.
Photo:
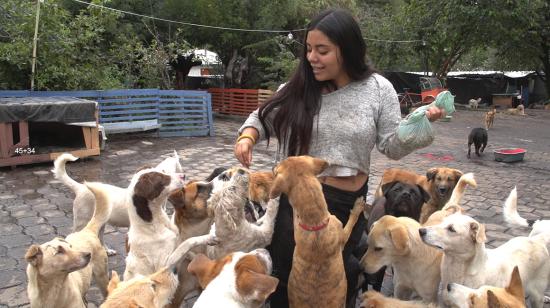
x=213 y=241
x=110 y=252
x=359 y=206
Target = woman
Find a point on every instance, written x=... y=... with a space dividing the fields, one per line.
x=337 y=108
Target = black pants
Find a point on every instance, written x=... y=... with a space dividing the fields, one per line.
x=340 y=203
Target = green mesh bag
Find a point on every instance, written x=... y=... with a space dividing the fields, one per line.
x=416 y=127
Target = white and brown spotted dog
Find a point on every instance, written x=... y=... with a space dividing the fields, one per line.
x=238 y=280
x=511 y=296
x=60 y=271
x=438 y=182
x=151 y=236
x=317 y=277
x=231 y=229
x=83 y=203
x=467 y=261
x=395 y=241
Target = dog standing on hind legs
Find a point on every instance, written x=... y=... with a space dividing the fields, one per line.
x=478 y=136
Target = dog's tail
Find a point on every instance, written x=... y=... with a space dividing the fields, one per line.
x=179 y=168
x=458 y=191
x=102 y=208
x=510 y=211
x=61 y=174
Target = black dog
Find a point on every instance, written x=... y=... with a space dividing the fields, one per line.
x=478 y=136
x=399 y=199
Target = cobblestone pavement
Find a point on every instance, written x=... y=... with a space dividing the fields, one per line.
x=34 y=207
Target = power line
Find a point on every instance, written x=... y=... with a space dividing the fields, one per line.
x=392 y=41
x=186 y=23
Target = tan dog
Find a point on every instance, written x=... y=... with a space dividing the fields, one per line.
x=60 y=271
x=153 y=291
x=490 y=117
x=395 y=241
x=373 y=299
x=547 y=106
x=487 y=296
x=317 y=277
x=438 y=182
x=519 y=110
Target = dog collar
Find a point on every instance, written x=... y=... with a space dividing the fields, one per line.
x=313 y=228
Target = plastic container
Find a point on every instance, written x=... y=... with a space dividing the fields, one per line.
x=509 y=155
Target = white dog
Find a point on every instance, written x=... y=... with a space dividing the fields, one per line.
x=466 y=261
x=152 y=236
x=83 y=203
x=474 y=103
x=232 y=230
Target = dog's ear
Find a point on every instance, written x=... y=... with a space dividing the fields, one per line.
x=515 y=287
x=256 y=285
x=431 y=173
x=278 y=187
x=203 y=268
x=492 y=300
x=177 y=198
x=400 y=238
x=477 y=232
x=458 y=174
x=151 y=184
x=319 y=165
x=424 y=194
x=386 y=187
x=113 y=283
x=215 y=173
x=34 y=255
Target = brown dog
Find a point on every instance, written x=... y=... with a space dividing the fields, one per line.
x=438 y=182
x=317 y=277
x=519 y=110
x=373 y=299
x=490 y=117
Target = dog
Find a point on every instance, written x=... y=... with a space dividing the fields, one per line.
x=519 y=110
x=547 y=106
x=478 y=136
x=374 y=299
x=490 y=117
x=438 y=182
x=83 y=203
x=474 y=103
x=59 y=272
x=151 y=236
x=466 y=260
x=488 y=296
x=400 y=199
x=233 y=231
x=395 y=241
x=317 y=277
x=156 y=290
x=239 y=280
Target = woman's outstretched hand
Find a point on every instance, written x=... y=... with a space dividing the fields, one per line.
x=434 y=113
x=243 y=151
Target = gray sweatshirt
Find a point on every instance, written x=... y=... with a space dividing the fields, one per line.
x=351 y=121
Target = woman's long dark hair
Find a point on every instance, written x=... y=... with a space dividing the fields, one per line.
x=299 y=100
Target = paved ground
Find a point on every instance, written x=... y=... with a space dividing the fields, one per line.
x=34 y=207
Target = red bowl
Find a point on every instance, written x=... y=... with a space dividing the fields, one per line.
x=509 y=155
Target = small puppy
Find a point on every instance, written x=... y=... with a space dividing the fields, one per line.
x=60 y=271
x=488 y=296
x=230 y=228
x=490 y=117
x=519 y=110
x=478 y=136
x=474 y=103
x=467 y=261
x=373 y=299
x=317 y=277
x=151 y=236
x=239 y=280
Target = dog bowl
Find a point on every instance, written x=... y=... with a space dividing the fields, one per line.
x=509 y=155
x=446 y=119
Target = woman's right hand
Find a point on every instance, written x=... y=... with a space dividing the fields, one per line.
x=243 y=151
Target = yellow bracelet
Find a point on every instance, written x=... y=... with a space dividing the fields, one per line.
x=246 y=136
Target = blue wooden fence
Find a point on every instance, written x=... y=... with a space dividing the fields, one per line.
x=177 y=112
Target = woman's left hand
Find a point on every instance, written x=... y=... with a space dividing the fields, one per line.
x=434 y=113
